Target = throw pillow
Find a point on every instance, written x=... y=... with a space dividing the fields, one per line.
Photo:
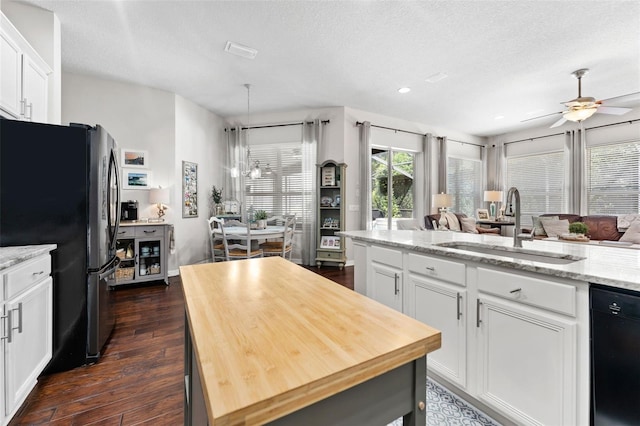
x=537 y=225
x=554 y=227
x=632 y=234
x=469 y=225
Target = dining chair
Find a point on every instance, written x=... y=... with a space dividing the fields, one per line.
x=282 y=248
x=238 y=246
x=215 y=240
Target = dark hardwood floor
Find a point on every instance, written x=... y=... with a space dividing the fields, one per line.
x=139 y=379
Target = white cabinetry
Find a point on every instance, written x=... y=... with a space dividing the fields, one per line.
x=386 y=277
x=23 y=76
x=26 y=329
x=526 y=348
x=439 y=297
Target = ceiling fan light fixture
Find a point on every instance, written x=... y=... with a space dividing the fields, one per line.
x=579 y=114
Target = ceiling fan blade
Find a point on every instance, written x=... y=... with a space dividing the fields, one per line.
x=629 y=97
x=612 y=110
x=558 y=123
x=541 y=116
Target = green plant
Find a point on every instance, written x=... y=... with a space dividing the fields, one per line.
x=578 y=228
x=216 y=195
x=260 y=215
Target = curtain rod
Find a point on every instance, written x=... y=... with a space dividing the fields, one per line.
x=467 y=143
x=299 y=123
x=586 y=128
x=360 y=123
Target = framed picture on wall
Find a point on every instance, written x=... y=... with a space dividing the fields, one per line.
x=136 y=179
x=189 y=189
x=482 y=214
x=134 y=158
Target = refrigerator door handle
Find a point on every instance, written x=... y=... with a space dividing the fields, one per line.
x=111 y=269
x=113 y=172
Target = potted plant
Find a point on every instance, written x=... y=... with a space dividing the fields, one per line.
x=578 y=228
x=216 y=196
x=260 y=216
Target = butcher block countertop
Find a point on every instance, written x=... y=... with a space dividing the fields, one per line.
x=271 y=337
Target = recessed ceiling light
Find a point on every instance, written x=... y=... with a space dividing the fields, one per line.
x=436 y=77
x=404 y=90
x=240 y=50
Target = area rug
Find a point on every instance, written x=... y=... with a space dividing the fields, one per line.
x=444 y=408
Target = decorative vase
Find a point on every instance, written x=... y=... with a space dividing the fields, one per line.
x=261 y=223
x=219 y=209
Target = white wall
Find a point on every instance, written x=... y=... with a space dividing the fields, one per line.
x=199 y=138
x=41 y=29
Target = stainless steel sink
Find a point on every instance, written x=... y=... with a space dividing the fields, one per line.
x=516 y=253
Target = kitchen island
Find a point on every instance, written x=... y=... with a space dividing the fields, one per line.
x=514 y=322
x=269 y=341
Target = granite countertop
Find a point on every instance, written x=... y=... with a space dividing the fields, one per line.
x=613 y=266
x=10 y=256
x=143 y=223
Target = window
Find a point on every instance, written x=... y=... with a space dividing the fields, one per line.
x=464 y=181
x=540 y=182
x=613 y=178
x=400 y=186
x=279 y=191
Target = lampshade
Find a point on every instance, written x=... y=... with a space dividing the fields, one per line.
x=442 y=200
x=493 y=196
x=159 y=196
x=579 y=114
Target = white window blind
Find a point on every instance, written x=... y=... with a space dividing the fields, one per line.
x=613 y=178
x=280 y=192
x=464 y=183
x=540 y=182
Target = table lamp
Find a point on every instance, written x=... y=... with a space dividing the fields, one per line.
x=442 y=201
x=493 y=196
x=159 y=197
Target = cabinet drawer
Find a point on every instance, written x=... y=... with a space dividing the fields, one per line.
x=126 y=232
x=333 y=254
x=149 y=231
x=441 y=269
x=24 y=275
x=386 y=256
x=532 y=291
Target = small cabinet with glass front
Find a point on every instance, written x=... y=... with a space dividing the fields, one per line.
x=142 y=250
x=331 y=184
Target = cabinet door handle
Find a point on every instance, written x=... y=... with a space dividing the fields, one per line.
x=458 y=303
x=430 y=268
x=515 y=291
x=478 y=320
x=395 y=283
x=38 y=273
x=30 y=116
x=19 y=327
x=149 y=232
x=23 y=104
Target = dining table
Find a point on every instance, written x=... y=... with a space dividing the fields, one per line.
x=273 y=231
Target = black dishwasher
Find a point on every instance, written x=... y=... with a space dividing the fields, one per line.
x=615 y=356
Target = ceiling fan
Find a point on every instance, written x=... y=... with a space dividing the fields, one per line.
x=583 y=107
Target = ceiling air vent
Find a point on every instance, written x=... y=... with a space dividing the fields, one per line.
x=240 y=50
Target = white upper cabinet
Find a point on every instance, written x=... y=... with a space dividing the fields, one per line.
x=24 y=76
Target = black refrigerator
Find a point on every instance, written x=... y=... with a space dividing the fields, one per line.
x=60 y=185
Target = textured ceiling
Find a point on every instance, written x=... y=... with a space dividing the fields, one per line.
x=508 y=58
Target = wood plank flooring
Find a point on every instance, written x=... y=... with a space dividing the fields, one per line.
x=139 y=379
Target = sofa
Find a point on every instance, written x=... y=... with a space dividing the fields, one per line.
x=429 y=219
x=601 y=227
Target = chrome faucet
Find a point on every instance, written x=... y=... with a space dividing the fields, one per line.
x=509 y=211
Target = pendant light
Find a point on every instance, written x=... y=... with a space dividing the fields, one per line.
x=254 y=171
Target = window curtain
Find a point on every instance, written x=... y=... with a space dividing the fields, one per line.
x=312 y=137
x=366 y=221
x=575 y=172
x=442 y=165
x=234 y=179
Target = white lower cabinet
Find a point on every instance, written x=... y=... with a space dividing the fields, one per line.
x=441 y=303
x=27 y=329
x=386 y=277
x=527 y=341
x=515 y=341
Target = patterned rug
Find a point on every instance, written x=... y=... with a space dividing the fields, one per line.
x=444 y=408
